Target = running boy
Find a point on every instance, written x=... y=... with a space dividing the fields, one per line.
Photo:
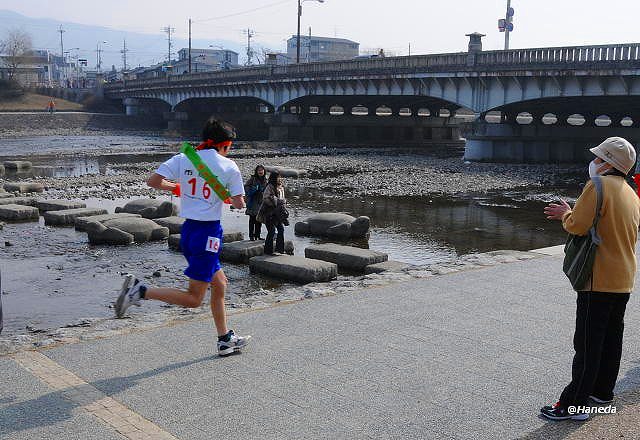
x=201 y=237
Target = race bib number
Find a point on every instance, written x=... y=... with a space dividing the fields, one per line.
x=213 y=244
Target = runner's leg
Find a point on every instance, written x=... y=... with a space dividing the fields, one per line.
x=218 y=290
x=186 y=298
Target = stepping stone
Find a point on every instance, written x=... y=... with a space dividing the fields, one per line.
x=346 y=257
x=17 y=165
x=387 y=266
x=58 y=205
x=285 y=172
x=16 y=213
x=24 y=187
x=174 y=223
x=149 y=208
x=227 y=237
x=4 y=194
x=67 y=217
x=82 y=222
x=2 y=170
x=298 y=269
x=11 y=200
x=116 y=231
x=334 y=225
x=243 y=251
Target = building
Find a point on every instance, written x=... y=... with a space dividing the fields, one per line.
x=314 y=49
x=277 y=59
x=204 y=60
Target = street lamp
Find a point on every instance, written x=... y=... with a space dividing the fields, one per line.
x=300 y=15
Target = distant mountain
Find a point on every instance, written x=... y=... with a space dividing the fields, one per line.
x=143 y=49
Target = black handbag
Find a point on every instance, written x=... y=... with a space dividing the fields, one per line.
x=580 y=250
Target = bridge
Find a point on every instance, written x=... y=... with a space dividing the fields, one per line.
x=522 y=105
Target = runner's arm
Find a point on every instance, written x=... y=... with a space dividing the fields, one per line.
x=238 y=201
x=159 y=182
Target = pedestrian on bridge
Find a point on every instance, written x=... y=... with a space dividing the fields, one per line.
x=602 y=301
x=201 y=235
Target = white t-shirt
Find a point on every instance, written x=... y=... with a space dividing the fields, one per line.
x=197 y=200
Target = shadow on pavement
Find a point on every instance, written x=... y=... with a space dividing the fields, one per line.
x=58 y=406
x=630 y=396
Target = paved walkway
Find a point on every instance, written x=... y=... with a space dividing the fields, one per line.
x=470 y=355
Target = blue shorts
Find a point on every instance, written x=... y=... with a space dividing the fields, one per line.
x=201 y=243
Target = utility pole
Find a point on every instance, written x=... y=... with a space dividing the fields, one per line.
x=298 y=34
x=62 y=31
x=506 y=24
x=124 y=55
x=309 y=47
x=168 y=30
x=250 y=35
x=189 y=45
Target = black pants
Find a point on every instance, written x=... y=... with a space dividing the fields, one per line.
x=598 y=345
x=255 y=228
x=271 y=231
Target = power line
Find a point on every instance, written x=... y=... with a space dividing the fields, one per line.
x=248 y=11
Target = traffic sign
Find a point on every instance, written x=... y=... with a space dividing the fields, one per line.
x=510 y=27
x=510 y=12
x=502 y=24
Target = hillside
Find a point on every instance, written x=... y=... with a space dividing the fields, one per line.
x=33 y=102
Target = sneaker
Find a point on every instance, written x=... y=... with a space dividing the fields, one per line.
x=559 y=412
x=235 y=343
x=599 y=400
x=129 y=295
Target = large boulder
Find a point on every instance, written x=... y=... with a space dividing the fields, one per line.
x=243 y=251
x=58 y=205
x=174 y=223
x=67 y=217
x=15 y=166
x=149 y=208
x=142 y=229
x=298 y=269
x=285 y=172
x=18 y=213
x=24 y=187
x=100 y=234
x=334 y=225
x=82 y=222
x=346 y=257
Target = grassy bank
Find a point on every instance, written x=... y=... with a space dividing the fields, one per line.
x=34 y=102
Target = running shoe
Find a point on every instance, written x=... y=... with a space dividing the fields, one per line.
x=129 y=295
x=235 y=343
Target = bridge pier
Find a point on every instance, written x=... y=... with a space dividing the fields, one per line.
x=538 y=143
x=176 y=121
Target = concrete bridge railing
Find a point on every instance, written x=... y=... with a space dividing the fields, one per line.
x=559 y=58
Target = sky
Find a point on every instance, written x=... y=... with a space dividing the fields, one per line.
x=427 y=26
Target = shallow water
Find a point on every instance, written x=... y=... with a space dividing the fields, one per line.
x=52 y=277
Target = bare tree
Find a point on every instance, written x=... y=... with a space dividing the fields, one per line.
x=15 y=47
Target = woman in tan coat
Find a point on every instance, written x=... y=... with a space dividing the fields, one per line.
x=601 y=303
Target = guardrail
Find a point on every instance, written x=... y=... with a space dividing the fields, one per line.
x=563 y=57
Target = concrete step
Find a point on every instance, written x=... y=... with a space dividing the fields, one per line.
x=18 y=213
x=227 y=237
x=386 y=266
x=346 y=257
x=11 y=200
x=243 y=251
x=58 y=205
x=67 y=217
x=81 y=222
x=291 y=268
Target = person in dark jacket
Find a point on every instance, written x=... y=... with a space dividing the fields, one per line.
x=254 y=187
x=273 y=196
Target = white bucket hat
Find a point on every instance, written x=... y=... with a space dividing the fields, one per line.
x=618 y=152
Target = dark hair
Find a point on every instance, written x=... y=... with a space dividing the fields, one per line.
x=273 y=178
x=255 y=172
x=218 y=131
